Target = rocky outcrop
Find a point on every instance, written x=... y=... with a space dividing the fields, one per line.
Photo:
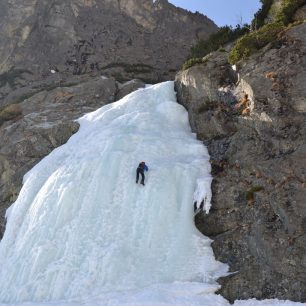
x=125 y=39
x=258 y=157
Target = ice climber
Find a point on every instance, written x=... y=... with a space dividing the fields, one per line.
x=141 y=168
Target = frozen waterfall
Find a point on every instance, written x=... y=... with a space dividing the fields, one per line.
x=83 y=233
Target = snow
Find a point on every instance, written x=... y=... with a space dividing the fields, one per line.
x=83 y=233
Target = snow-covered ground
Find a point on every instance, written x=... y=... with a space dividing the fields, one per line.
x=83 y=233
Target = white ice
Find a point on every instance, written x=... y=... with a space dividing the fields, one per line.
x=83 y=233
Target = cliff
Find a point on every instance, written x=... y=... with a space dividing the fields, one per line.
x=253 y=121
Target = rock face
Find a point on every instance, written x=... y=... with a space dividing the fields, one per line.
x=258 y=215
x=125 y=39
x=300 y=14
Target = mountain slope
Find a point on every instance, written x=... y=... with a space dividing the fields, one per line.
x=126 y=39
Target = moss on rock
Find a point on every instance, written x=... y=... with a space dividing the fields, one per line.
x=10 y=112
x=252 y=42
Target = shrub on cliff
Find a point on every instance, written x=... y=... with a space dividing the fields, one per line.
x=192 y=61
x=252 y=42
x=223 y=36
x=215 y=41
x=249 y=44
x=261 y=15
x=289 y=7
